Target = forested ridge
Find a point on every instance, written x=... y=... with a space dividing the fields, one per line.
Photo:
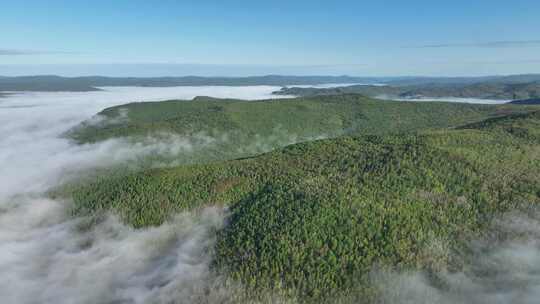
x=313 y=219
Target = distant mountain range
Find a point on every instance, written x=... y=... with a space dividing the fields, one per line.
x=531 y=101
x=489 y=89
x=92 y=83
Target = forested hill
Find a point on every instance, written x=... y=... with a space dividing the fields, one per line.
x=313 y=220
x=239 y=128
x=483 y=90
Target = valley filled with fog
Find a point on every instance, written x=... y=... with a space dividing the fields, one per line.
x=45 y=255
x=48 y=256
x=269 y=152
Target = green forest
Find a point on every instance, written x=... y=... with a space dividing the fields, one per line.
x=480 y=90
x=341 y=185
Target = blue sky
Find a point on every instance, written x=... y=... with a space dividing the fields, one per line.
x=371 y=38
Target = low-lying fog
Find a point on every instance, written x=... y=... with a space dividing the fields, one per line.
x=335 y=85
x=48 y=257
x=44 y=255
x=32 y=154
x=453 y=99
x=500 y=272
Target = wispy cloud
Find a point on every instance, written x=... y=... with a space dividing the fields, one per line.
x=487 y=44
x=482 y=62
x=510 y=61
x=18 y=52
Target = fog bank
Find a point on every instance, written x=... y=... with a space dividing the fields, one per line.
x=48 y=257
x=500 y=271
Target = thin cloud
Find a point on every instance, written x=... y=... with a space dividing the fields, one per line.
x=509 y=62
x=484 y=62
x=488 y=44
x=18 y=52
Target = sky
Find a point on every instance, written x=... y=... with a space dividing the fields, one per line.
x=239 y=38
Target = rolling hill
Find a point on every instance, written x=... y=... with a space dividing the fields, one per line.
x=311 y=220
x=483 y=90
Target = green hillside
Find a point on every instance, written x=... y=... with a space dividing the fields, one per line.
x=481 y=90
x=313 y=219
x=236 y=128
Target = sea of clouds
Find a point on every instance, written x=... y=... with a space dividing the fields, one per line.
x=45 y=255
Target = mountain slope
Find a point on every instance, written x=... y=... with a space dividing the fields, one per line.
x=313 y=219
x=236 y=128
x=482 y=90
